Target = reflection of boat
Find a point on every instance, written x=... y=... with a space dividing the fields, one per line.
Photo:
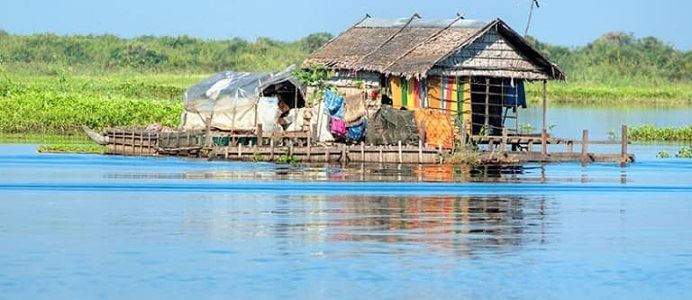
x=95 y=136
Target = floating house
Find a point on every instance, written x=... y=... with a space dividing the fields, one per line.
x=471 y=71
x=407 y=91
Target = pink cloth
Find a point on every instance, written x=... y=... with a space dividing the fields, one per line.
x=338 y=127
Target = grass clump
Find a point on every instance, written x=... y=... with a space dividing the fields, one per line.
x=651 y=133
x=72 y=148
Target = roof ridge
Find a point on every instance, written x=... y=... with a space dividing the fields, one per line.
x=434 y=35
x=416 y=15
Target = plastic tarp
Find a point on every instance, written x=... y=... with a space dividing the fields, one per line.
x=515 y=94
x=230 y=99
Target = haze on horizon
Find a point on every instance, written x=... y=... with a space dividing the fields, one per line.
x=568 y=23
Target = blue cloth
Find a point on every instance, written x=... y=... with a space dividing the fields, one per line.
x=515 y=95
x=357 y=133
x=334 y=104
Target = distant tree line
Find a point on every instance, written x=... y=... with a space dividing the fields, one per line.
x=618 y=56
x=614 y=57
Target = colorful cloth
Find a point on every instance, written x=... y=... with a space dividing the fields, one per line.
x=439 y=127
x=334 y=104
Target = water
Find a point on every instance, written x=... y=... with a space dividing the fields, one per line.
x=91 y=226
x=570 y=120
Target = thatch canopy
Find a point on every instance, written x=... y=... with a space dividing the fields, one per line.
x=417 y=48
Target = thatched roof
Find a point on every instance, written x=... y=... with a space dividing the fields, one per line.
x=413 y=48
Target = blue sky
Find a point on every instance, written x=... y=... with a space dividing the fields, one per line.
x=564 y=22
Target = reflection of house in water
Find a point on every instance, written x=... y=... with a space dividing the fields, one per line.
x=461 y=224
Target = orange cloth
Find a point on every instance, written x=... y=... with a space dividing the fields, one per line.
x=439 y=127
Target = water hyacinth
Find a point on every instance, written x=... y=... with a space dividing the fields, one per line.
x=651 y=133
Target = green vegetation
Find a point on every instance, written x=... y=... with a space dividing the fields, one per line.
x=42 y=54
x=684 y=152
x=618 y=68
x=653 y=134
x=60 y=104
x=287 y=159
x=53 y=84
x=72 y=148
x=676 y=94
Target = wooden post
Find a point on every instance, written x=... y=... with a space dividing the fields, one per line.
x=544 y=144
x=585 y=146
x=420 y=151
x=423 y=130
x=463 y=133
x=439 y=152
x=503 y=144
x=623 y=150
x=491 y=145
x=260 y=135
x=132 y=143
x=326 y=155
x=529 y=147
x=401 y=155
x=188 y=139
x=225 y=152
x=381 y=155
x=486 y=123
x=545 y=106
x=570 y=146
x=141 y=143
x=271 y=149
x=309 y=146
x=344 y=157
x=362 y=151
x=240 y=150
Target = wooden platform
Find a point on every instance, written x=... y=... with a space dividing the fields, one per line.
x=298 y=147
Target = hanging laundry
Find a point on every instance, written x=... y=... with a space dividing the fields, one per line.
x=434 y=92
x=357 y=133
x=334 y=104
x=439 y=127
x=395 y=87
x=337 y=127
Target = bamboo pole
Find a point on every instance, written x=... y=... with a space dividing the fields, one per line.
x=260 y=135
x=486 y=123
x=362 y=151
x=401 y=155
x=439 y=152
x=544 y=144
x=503 y=144
x=420 y=151
x=584 y=146
x=463 y=133
x=545 y=106
x=624 y=141
x=271 y=149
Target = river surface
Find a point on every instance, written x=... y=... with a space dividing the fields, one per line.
x=568 y=121
x=100 y=227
